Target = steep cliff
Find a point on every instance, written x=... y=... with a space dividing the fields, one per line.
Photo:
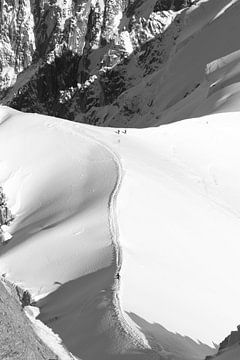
x=71 y=58
x=229 y=348
x=232 y=339
x=17 y=338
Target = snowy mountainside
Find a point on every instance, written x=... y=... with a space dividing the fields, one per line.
x=127 y=239
x=208 y=32
x=189 y=185
x=71 y=242
x=123 y=64
x=65 y=58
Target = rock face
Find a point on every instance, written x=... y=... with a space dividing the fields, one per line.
x=17 y=339
x=17 y=40
x=176 y=5
x=227 y=343
x=232 y=339
x=71 y=58
x=6 y=217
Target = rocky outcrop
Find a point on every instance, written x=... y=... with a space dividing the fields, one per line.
x=232 y=339
x=17 y=338
x=71 y=58
x=6 y=217
x=227 y=343
x=17 y=42
x=175 y=5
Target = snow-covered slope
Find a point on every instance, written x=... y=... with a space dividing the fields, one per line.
x=128 y=239
x=178 y=214
x=180 y=208
x=64 y=247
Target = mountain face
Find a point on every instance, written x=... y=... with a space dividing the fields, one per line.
x=74 y=58
x=18 y=340
x=122 y=64
x=229 y=347
x=232 y=339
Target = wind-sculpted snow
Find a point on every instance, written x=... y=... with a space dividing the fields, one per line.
x=61 y=186
x=127 y=239
x=62 y=181
x=179 y=224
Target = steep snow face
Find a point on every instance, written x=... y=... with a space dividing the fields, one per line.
x=61 y=187
x=39 y=204
x=179 y=225
x=59 y=55
x=62 y=181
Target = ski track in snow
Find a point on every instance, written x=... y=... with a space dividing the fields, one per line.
x=135 y=339
x=117 y=249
